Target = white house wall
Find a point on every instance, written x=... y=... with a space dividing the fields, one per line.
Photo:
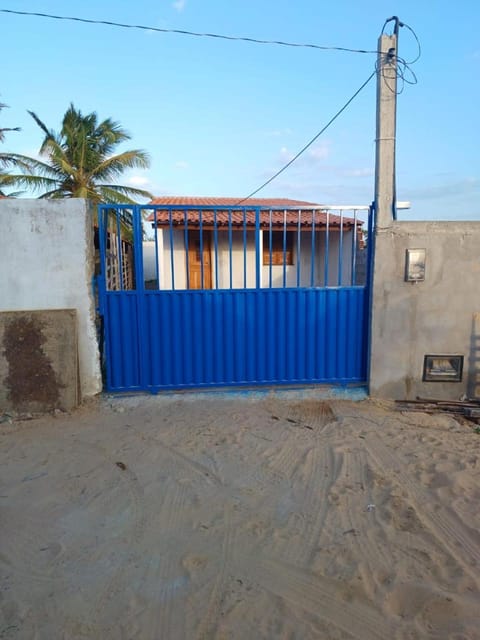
x=334 y=279
x=237 y=258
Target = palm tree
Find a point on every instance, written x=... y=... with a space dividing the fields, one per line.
x=79 y=161
x=4 y=129
x=8 y=160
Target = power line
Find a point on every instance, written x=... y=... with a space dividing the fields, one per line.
x=402 y=67
x=399 y=24
x=309 y=144
x=183 y=32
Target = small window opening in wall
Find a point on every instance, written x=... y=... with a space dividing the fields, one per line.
x=442 y=368
x=276 y=250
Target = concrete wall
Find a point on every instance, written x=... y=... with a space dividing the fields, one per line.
x=437 y=316
x=47 y=262
x=38 y=361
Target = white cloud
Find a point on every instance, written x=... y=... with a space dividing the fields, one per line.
x=32 y=153
x=277 y=133
x=138 y=181
x=325 y=192
x=364 y=172
x=285 y=154
x=320 y=151
x=460 y=188
x=179 y=5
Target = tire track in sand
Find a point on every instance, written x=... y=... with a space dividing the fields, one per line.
x=283 y=458
x=314 y=475
x=462 y=543
x=356 y=470
x=311 y=471
x=320 y=596
x=202 y=471
x=134 y=488
x=208 y=624
x=31 y=538
x=357 y=523
x=318 y=476
x=164 y=576
x=113 y=588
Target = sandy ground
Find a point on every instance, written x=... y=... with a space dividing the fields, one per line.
x=213 y=517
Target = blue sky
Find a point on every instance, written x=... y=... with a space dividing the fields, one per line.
x=219 y=118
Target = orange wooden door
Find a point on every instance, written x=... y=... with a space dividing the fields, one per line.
x=195 y=259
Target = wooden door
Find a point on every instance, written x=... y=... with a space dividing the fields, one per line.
x=196 y=258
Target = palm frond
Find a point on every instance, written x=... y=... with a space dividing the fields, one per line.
x=12 y=194
x=116 y=165
x=54 y=194
x=126 y=189
x=4 y=130
x=8 y=160
x=30 y=181
x=119 y=194
x=42 y=126
x=25 y=163
x=79 y=159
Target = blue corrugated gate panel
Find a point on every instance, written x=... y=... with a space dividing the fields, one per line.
x=174 y=338
x=234 y=337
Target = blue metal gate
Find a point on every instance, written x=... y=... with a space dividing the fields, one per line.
x=211 y=295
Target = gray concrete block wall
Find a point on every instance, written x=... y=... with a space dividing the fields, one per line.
x=47 y=262
x=436 y=316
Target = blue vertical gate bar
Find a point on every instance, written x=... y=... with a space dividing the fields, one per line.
x=299 y=259
x=340 y=252
x=172 y=248
x=257 y=248
x=367 y=309
x=182 y=338
x=244 y=248
x=215 y=245
x=157 y=265
x=327 y=250
x=187 y=263
x=354 y=249
x=230 y=258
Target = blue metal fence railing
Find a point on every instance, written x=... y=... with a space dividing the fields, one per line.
x=213 y=296
x=247 y=247
x=306 y=242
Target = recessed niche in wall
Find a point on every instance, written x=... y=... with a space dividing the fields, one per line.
x=415 y=265
x=442 y=368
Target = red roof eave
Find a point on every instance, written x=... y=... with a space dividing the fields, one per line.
x=226 y=212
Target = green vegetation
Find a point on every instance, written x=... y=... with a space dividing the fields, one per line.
x=79 y=161
x=8 y=161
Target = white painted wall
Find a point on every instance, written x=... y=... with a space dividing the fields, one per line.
x=223 y=260
x=47 y=262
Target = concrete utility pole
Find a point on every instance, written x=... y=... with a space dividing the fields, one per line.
x=385 y=196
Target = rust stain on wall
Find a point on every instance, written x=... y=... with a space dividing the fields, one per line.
x=30 y=377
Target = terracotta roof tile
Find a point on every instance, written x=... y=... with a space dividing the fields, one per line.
x=284 y=211
x=230 y=202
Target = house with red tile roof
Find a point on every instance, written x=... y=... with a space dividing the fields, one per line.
x=209 y=243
